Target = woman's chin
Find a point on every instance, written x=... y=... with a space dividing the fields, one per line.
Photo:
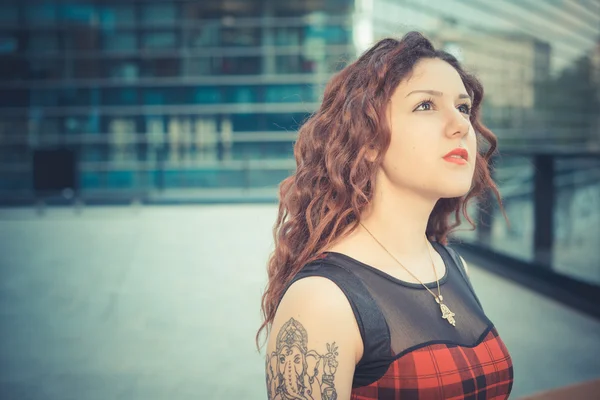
x=455 y=191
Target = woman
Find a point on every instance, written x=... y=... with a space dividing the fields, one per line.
x=364 y=299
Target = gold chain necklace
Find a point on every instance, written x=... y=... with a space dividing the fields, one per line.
x=446 y=313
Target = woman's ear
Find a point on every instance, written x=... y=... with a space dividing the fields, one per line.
x=371 y=153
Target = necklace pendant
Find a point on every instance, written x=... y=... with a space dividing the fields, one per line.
x=446 y=313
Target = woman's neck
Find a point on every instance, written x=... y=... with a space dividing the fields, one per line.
x=398 y=218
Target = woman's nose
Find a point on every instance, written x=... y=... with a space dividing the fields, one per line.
x=458 y=124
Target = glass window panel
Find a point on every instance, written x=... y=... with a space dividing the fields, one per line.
x=161 y=67
x=44 y=98
x=8 y=44
x=287 y=94
x=10 y=125
x=74 y=97
x=112 y=15
x=79 y=124
x=13 y=68
x=82 y=68
x=268 y=150
x=168 y=95
x=200 y=66
x=515 y=177
x=159 y=12
x=159 y=40
x=110 y=123
x=196 y=10
x=153 y=97
x=241 y=65
x=287 y=122
x=43 y=42
x=81 y=39
x=293 y=64
x=126 y=69
x=241 y=37
x=9 y=13
x=14 y=98
x=241 y=94
x=79 y=12
x=577 y=218
x=119 y=96
x=292 y=36
x=207 y=95
x=119 y=41
x=246 y=122
x=207 y=35
x=45 y=12
x=50 y=127
x=337 y=35
x=46 y=68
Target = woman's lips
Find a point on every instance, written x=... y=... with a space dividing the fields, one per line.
x=456 y=160
x=457 y=156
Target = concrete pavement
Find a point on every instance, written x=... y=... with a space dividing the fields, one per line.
x=160 y=302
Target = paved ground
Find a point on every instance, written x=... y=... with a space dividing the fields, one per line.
x=163 y=302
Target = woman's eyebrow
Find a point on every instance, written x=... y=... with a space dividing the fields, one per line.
x=439 y=94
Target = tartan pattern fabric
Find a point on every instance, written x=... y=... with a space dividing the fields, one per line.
x=448 y=372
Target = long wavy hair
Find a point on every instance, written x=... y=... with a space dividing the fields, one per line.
x=333 y=181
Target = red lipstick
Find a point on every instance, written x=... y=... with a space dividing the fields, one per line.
x=457 y=156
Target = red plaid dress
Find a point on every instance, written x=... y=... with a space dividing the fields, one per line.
x=444 y=371
x=410 y=352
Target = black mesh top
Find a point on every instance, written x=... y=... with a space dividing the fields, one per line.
x=396 y=317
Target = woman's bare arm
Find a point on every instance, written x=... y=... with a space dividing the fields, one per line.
x=314 y=343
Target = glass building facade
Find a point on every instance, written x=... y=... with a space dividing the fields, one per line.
x=164 y=95
x=189 y=97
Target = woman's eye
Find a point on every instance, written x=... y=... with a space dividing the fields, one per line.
x=464 y=108
x=425 y=106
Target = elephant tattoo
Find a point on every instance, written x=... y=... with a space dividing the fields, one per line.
x=294 y=372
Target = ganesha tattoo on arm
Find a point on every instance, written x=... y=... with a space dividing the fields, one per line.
x=294 y=372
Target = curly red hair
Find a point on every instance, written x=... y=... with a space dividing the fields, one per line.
x=334 y=181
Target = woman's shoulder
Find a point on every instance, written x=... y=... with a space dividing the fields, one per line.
x=317 y=284
x=319 y=305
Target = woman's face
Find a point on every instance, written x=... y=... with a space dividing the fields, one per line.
x=429 y=118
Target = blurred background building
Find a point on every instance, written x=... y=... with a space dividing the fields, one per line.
x=172 y=102
x=195 y=100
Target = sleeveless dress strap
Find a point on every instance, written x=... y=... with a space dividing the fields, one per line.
x=371 y=322
x=461 y=267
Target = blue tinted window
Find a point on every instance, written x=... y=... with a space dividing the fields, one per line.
x=116 y=14
x=159 y=40
x=119 y=41
x=208 y=34
x=43 y=42
x=79 y=13
x=168 y=95
x=14 y=98
x=245 y=122
x=288 y=122
x=9 y=13
x=161 y=66
x=159 y=12
x=241 y=94
x=45 y=12
x=239 y=37
x=43 y=98
x=241 y=65
x=119 y=96
x=60 y=97
x=293 y=64
x=124 y=69
x=207 y=95
x=46 y=68
x=286 y=94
